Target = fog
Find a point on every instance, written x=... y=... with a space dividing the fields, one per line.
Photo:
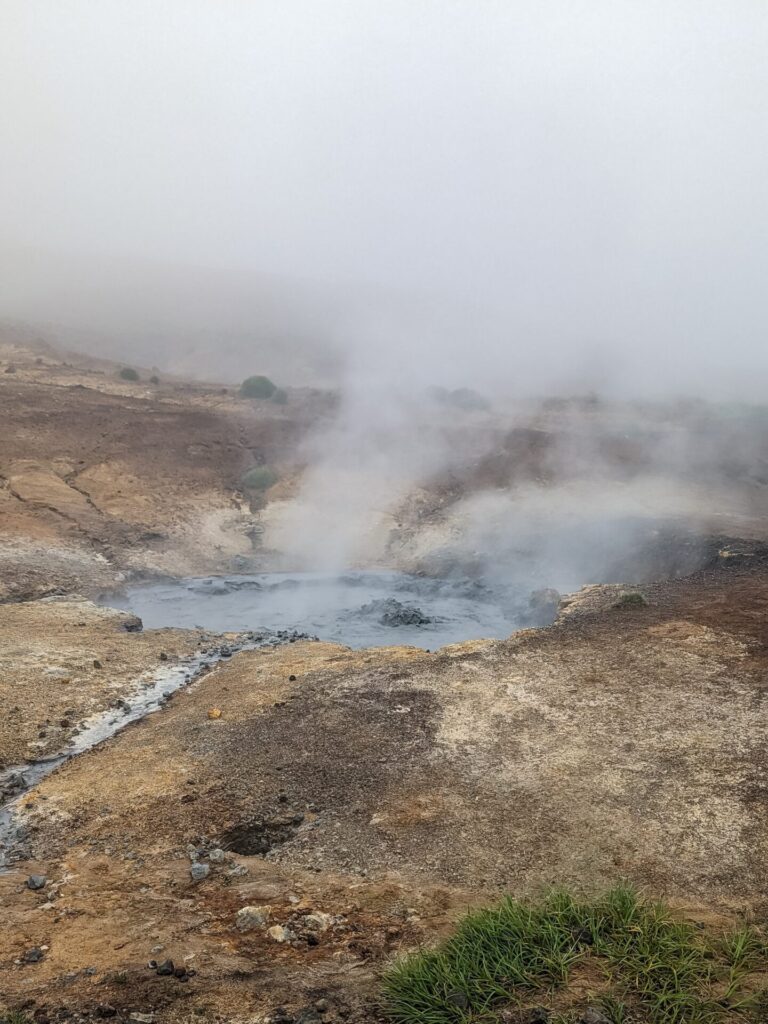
x=529 y=197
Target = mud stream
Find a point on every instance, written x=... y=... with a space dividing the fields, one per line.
x=150 y=693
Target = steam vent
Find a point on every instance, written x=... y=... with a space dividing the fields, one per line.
x=383 y=512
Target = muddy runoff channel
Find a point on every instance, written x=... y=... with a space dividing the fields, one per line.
x=151 y=692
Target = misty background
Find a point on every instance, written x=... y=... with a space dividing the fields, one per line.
x=529 y=197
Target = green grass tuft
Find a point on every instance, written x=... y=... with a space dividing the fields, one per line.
x=642 y=962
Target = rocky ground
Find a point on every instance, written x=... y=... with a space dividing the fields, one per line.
x=102 y=477
x=63 y=660
x=291 y=820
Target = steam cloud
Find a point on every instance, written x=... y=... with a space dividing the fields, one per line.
x=526 y=198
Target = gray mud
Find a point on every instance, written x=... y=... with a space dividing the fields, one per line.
x=358 y=609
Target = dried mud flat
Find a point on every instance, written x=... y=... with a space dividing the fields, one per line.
x=389 y=790
x=365 y=798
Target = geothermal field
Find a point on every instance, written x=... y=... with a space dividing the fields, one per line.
x=530 y=672
x=383 y=512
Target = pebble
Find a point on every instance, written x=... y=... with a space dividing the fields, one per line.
x=279 y=933
x=36 y=882
x=594 y=1016
x=33 y=955
x=237 y=870
x=318 y=921
x=248 y=918
x=217 y=856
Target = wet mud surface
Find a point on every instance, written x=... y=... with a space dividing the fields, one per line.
x=358 y=609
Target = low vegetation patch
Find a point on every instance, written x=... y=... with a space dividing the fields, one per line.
x=257 y=387
x=259 y=478
x=128 y=373
x=619 y=958
x=631 y=599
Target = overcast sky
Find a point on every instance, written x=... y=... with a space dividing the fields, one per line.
x=545 y=189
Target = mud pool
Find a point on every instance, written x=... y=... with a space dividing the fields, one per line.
x=358 y=609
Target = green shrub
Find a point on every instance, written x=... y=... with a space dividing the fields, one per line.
x=631 y=599
x=154 y=379
x=128 y=373
x=259 y=478
x=257 y=387
x=645 y=965
x=280 y=396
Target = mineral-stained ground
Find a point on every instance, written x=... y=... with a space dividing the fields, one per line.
x=362 y=799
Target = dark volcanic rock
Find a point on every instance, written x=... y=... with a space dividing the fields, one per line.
x=132 y=624
x=391 y=612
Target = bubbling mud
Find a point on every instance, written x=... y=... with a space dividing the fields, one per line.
x=358 y=609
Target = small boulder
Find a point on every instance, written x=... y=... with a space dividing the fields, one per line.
x=249 y=918
x=166 y=968
x=199 y=872
x=217 y=856
x=318 y=921
x=33 y=955
x=36 y=882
